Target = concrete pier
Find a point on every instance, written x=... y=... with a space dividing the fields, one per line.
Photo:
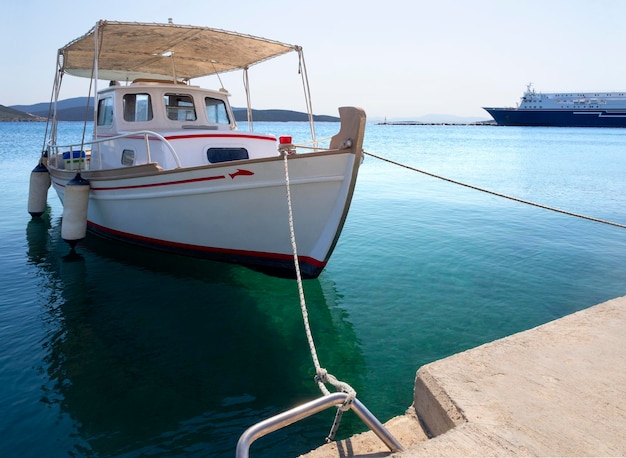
x=555 y=390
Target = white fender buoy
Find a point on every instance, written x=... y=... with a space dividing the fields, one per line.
x=75 y=201
x=38 y=190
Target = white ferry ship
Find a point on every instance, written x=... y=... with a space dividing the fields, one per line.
x=579 y=109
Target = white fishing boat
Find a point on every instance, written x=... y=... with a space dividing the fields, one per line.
x=165 y=166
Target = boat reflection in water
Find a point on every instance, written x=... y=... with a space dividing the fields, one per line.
x=149 y=352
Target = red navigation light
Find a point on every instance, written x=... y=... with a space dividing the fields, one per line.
x=284 y=140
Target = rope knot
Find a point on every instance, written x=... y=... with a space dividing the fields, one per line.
x=321 y=376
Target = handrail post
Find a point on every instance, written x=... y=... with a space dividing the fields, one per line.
x=300 y=412
x=145 y=137
x=377 y=428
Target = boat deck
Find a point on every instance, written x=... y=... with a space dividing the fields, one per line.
x=555 y=390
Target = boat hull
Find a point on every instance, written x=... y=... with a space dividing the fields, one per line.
x=558 y=118
x=236 y=212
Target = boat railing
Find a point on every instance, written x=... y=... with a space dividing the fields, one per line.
x=146 y=134
x=311 y=408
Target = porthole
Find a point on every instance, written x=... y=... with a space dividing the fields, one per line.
x=128 y=157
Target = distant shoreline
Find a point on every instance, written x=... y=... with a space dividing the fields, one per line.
x=8 y=114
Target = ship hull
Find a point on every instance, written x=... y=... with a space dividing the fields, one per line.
x=558 y=118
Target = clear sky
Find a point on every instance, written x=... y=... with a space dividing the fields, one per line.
x=399 y=59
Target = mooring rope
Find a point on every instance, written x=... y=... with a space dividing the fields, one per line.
x=516 y=199
x=321 y=375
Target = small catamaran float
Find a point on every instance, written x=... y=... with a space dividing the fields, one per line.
x=166 y=167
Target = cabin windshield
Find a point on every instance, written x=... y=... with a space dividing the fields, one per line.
x=137 y=107
x=105 y=111
x=216 y=110
x=179 y=107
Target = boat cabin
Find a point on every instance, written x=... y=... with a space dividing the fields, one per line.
x=162 y=106
x=181 y=125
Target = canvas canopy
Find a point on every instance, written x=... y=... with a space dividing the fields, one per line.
x=132 y=50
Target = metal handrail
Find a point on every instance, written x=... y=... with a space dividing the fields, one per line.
x=311 y=408
x=145 y=133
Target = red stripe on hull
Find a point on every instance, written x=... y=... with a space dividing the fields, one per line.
x=188 y=136
x=273 y=263
x=167 y=183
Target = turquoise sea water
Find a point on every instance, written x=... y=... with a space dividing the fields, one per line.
x=127 y=352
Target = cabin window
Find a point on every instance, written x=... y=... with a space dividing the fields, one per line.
x=215 y=155
x=137 y=107
x=105 y=111
x=216 y=110
x=179 y=107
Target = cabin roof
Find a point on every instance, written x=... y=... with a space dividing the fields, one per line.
x=132 y=50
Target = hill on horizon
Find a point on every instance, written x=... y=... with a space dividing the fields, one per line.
x=11 y=114
x=74 y=109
